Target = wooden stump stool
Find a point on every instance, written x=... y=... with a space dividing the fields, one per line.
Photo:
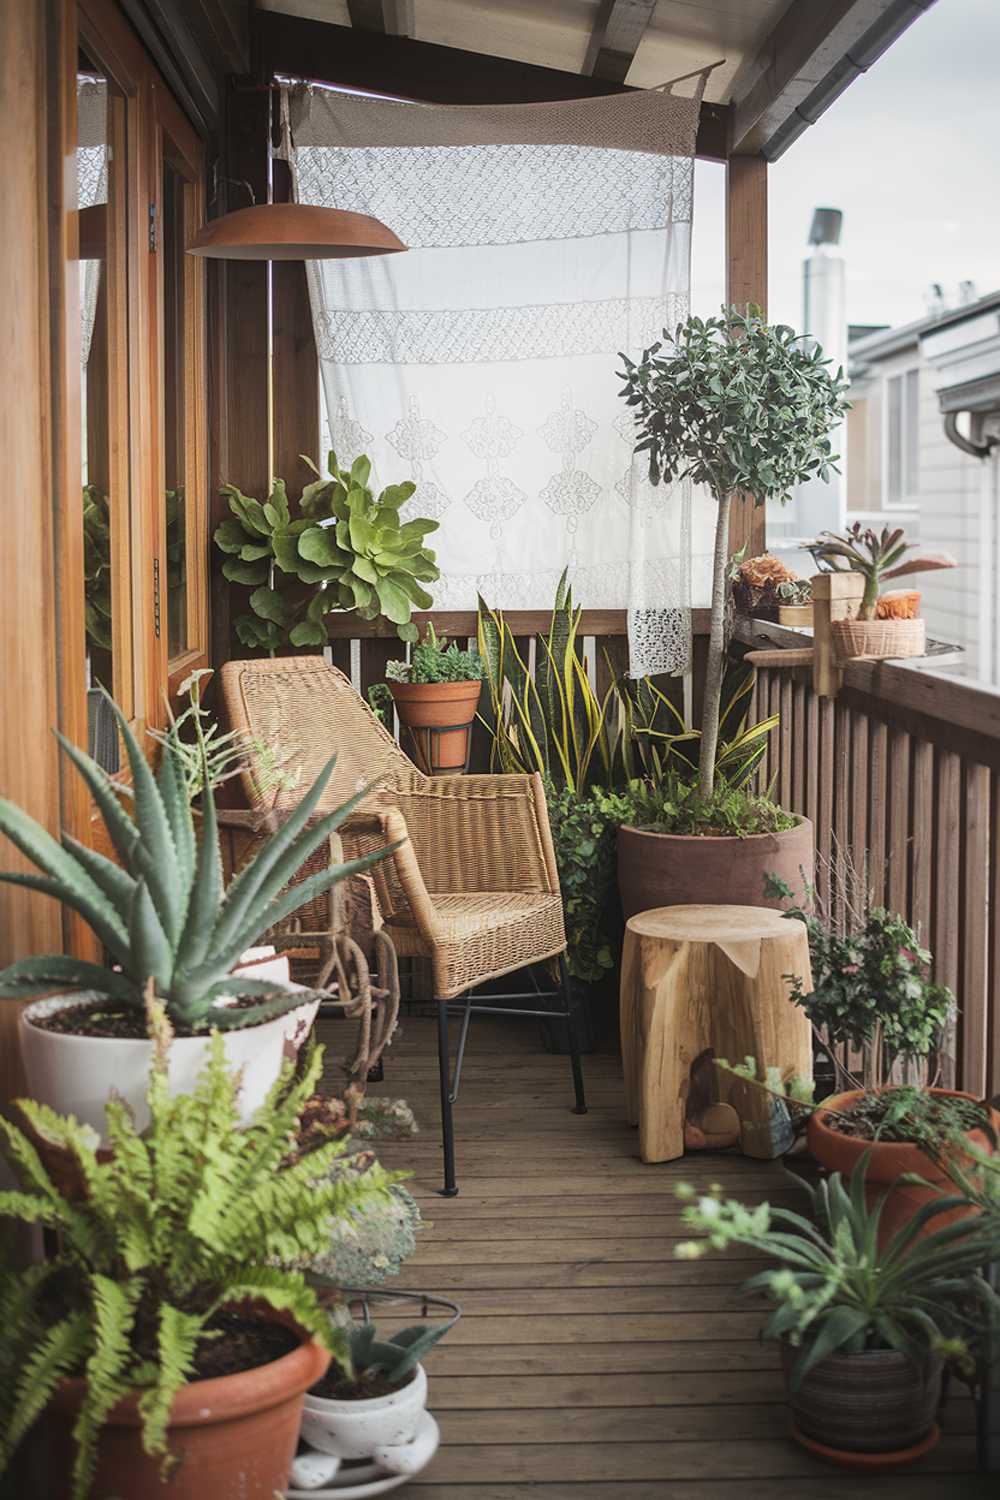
x=697 y=977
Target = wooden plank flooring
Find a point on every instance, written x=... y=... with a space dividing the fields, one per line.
x=588 y=1363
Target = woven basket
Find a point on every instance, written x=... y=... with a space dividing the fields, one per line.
x=854 y=639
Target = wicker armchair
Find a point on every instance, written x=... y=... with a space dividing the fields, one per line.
x=473 y=887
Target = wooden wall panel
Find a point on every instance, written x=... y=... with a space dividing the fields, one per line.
x=29 y=770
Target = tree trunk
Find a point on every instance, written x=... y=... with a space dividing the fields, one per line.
x=716 y=668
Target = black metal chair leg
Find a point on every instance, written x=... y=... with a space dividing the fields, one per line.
x=580 y=1108
x=450 y=1189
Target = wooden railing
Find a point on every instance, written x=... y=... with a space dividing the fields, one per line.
x=905 y=764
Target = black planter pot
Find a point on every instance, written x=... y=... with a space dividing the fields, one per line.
x=595 y=1017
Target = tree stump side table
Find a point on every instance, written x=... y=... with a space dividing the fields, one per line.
x=695 y=977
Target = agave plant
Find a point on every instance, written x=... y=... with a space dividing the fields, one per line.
x=163 y=912
x=350 y=547
x=876 y=555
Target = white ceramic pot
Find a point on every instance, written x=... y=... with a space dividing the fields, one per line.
x=77 y=1074
x=360 y=1429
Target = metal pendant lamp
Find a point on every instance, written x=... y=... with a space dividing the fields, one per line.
x=293 y=231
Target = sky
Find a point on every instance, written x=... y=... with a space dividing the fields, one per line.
x=911 y=154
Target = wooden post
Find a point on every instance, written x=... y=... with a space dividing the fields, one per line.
x=746 y=281
x=836 y=596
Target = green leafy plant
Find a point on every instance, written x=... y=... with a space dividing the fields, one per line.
x=193 y=1216
x=871 y=984
x=795 y=591
x=162 y=912
x=97 y=567
x=344 y=549
x=396 y=1357
x=743 y=407
x=836 y=1292
x=434 y=660
x=875 y=555
x=679 y=806
x=553 y=722
x=584 y=832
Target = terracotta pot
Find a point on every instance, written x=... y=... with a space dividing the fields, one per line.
x=889 y=1160
x=875 y=1409
x=235 y=1436
x=674 y=869
x=439 y=716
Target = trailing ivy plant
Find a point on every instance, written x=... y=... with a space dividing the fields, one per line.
x=584 y=834
x=743 y=407
x=343 y=548
x=194 y=1215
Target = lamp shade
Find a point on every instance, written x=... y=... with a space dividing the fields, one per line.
x=293 y=231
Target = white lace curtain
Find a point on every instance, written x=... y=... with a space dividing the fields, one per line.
x=543 y=240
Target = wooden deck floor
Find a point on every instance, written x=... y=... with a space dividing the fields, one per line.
x=588 y=1362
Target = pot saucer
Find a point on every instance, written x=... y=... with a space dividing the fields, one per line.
x=363 y=1480
x=871 y=1462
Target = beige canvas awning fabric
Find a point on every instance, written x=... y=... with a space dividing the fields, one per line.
x=649 y=120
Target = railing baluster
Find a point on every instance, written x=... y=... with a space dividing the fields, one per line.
x=899 y=819
x=877 y=786
x=974 y=994
x=944 y=895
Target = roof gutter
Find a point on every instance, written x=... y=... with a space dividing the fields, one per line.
x=857 y=60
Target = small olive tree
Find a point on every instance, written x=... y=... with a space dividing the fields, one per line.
x=739 y=405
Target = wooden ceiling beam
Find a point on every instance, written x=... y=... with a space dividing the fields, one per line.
x=362 y=59
x=809 y=59
x=615 y=39
x=388 y=17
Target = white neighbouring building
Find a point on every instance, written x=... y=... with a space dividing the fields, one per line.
x=923 y=452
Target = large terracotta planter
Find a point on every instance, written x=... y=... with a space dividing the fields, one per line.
x=870 y=1410
x=673 y=869
x=235 y=1437
x=888 y=1161
x=439 y=716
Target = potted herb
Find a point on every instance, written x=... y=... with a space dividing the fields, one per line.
x=864 y=1330
x=374 y=1397
x=885 y=625
x=161 y=912
x=872 y=991
x=164 y=1338
x=344 y=548
x=744 y=408
x=436 y=694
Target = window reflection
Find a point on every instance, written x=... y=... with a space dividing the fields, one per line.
x=175 y=401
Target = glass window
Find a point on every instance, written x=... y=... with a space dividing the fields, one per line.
x=903 y=437
x=175 y=396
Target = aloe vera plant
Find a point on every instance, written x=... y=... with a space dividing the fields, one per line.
x=163 y=913
x=876 y=555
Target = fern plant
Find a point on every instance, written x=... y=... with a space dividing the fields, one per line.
x=193 y=1216
x=163 y=912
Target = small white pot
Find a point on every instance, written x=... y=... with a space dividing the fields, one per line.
x=76 y=1075
x=359 y=1429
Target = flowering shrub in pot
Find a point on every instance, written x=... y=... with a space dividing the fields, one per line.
x=865 y=1328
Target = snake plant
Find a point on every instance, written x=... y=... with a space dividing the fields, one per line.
x=163 y=912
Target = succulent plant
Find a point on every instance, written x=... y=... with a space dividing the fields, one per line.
x=351 y=549
x=876 y=555
x=394 y=1357
x=434 y=660
x=162 y=913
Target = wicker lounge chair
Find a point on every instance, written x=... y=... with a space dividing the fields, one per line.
x=473 y=888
